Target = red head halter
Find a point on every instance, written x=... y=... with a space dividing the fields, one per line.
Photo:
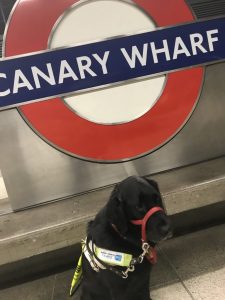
x=143 y=221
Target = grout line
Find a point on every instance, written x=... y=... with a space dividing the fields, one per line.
x=175 y=271
x=161 y=285
x=53 y=289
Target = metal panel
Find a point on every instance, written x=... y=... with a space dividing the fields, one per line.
x=34 y=172
x=207 y=9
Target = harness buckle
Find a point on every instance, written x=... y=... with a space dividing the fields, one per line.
x=131 y=269
x=145 y=247
x=140 y=259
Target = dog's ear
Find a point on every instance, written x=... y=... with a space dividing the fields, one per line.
x=153 y=183
x=116 y=212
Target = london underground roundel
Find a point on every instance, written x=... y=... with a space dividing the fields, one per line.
x=118 y=123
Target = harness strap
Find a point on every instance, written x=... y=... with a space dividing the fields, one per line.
x=152 y=256
x=88 y=250
x=96 y=261
x=97 y=264
x=108 y=267
x=90 y=255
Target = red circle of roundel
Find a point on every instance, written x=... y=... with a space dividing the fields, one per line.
x=29 y=30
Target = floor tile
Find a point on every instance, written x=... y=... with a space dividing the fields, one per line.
x=196 y=261
x=174 y=291
x=40 y=289
x=197 y=253
x=62 y=286
x=208 y=286
x=162 y=273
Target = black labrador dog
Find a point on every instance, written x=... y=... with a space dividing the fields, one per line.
x=116 y=228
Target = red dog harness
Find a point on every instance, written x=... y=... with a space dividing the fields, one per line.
x=152 y=256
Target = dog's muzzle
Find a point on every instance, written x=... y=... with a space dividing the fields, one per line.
x=144 y=221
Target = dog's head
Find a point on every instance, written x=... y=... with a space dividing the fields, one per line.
x=131 y=200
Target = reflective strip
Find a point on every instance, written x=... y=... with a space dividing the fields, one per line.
x=77 y=275
x=95 y=264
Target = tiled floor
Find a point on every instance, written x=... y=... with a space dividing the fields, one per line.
x=189 y=267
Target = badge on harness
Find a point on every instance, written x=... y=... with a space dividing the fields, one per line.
x=113 y=258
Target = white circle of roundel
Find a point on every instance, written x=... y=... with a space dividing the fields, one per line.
x=98 y=20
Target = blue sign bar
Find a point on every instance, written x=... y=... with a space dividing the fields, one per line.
x=94 y=65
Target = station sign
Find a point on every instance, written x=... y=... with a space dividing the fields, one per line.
x=90 y=66
x=36 y=79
